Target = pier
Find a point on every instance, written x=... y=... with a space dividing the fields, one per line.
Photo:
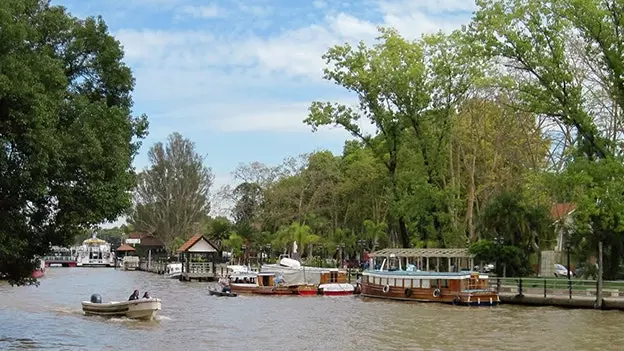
x=560 y=292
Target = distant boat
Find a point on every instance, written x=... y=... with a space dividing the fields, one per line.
x=39 y=271
x=173 y=270
x=95 y=252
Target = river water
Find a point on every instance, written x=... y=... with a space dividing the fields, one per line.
x=50 y=317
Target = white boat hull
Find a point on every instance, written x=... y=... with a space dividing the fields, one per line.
x=145 y=309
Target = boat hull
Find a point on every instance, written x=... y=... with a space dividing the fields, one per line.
x=268 y=290
x=485 y=298
x=144 y=309
x=38 y=274
x=243 y=288
x=336 y=289
x=307 y=290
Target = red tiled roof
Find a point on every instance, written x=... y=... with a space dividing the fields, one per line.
x=125 y=247
x=192 y=241
x=136 y=235
x=558 y=211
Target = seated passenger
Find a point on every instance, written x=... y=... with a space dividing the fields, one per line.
x=134 y=296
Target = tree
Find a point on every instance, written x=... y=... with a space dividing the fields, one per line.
x=66 y=128
x=390 y=82
x=171 y=198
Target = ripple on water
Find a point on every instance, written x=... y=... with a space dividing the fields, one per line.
x=50 y=316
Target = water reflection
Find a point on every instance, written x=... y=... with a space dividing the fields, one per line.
x=50 y=317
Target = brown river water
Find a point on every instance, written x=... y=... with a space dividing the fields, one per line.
x=50 y=317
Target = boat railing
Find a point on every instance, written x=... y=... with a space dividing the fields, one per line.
x=552 y=287
x=59 y=258
x=199 y=267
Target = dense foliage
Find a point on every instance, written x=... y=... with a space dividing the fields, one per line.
x=66 y=129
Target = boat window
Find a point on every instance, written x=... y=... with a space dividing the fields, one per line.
x=384 y=281
x=416 y=283
x=444 y=283
x=425 y=283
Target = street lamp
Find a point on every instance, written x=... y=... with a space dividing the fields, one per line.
x=499 y=241
x=569 y=281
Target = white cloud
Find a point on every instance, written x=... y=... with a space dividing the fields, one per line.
x=319 y=4
x=199 y=73
x=203 y=11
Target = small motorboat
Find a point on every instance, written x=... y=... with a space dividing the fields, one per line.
x=145 y=309
x=222 y=293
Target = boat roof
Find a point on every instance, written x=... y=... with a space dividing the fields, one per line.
x=462 y=274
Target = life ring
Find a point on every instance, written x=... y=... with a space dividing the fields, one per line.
x=386 y=288
x=436 y=292
x=407 y=292
x=456 y=300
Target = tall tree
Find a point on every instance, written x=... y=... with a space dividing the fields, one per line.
x=171 y=198
x=66 y=128
x=389 y=81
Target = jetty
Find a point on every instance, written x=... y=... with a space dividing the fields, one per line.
x=560 y=292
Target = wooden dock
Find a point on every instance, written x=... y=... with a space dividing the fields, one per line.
x=576 y=293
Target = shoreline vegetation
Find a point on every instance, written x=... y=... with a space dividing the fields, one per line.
x=464 y=139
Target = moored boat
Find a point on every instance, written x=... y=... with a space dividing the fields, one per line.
x=411 y=284
x=336 y=289
x=173 y=270
x=40 y=270
x=307 y=290
x=268 y=286
x=145 y=309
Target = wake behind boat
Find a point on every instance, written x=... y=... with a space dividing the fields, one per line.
x=145 y=309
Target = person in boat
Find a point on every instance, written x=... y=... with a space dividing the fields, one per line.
x=225 y=285
x=279 y=280
x=147 y=295
x=134 y=296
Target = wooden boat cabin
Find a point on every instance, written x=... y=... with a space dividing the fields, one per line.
x=411 y=284
x=243 y=282
x=266 y=285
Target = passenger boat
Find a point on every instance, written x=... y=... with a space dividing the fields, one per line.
x=95 y=252
x=458 y=288
x=173 y=270
x=145 y=309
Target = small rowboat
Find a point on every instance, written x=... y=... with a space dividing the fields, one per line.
x=222 y=293
x=145 y=309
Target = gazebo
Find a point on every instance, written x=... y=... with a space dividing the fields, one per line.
x=199 y=258
x=422 y=258
x=125 y=249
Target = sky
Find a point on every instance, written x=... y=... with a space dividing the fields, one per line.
x=237 y=77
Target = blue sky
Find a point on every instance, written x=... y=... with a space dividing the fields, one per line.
x=236 y=77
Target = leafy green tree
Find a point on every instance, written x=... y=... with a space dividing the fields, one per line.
x=172 y=196
x=66 y=127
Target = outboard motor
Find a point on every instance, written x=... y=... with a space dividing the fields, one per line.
x=96 y=298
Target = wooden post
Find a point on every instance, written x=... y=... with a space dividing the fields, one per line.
x=544 y=287
x=149 y=259
x=437 y=264
x=598 y=304
x=449 y=265
x=427 y=264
